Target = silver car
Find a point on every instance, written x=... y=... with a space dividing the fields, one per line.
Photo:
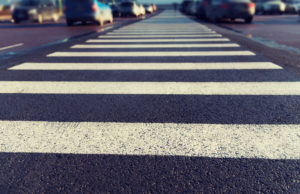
x=216 y=10
x=270 y=6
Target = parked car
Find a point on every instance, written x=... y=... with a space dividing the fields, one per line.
x=201 y=7
x=35 y=10
x=142 y=10
x=87 y=11
x=115 y=10
x=230 y=9
x=292 y=6
x=129 y=8
x=191 y=8
x=184 y=5
x=270 y=6
x=5 y=12
x=149 y=8
x=154 y=7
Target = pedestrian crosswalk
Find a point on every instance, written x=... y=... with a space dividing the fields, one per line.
x=122 y=115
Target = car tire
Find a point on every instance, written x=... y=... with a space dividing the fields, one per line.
x=69 y=22
x=16 y=21
x=214 y=19
x=100 y=22
x=248 y=20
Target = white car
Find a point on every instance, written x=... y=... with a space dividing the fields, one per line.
x=270 y=6
x=149 y=8
x=292 y=6
x=142 y=10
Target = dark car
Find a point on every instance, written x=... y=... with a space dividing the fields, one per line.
x=292 y=6
x=129 y=8
x=201 y=6
x=115 y=10
x=35 y=10
x=87 y=11
x=184 y=5
x=216 y=10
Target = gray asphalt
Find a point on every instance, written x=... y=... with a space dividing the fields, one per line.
x=67 y=172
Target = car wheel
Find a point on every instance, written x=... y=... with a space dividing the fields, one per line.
x=100 y=22
x=248 y=20
x=16 y=21
x=69 y=22
x=214 y=19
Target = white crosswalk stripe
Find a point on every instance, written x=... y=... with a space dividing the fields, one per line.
x=173 y=32
x=161 y=40
x=146 y=66
x=212 y=45
x=152 y=54
x=165 y=139
x=156 y=88
x=162 y=36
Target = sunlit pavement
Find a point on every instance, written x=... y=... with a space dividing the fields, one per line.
x=162 y=105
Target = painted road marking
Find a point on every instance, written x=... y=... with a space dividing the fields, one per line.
x=157 y=33
x=212 y=45
x=163 y=31
x=147 y=66
x=151 y=88
x=162 y=40
x=152 y=54
x=11 y=46
x=162 y=139
x=162 y=36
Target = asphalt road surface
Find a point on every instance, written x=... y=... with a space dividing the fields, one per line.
x=281 y=31
x=28 y=35
x=163 y=105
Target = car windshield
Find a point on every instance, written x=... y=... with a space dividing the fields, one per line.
x=127 y=4
x=29 y=3
x=237 y=0
x=271 y=0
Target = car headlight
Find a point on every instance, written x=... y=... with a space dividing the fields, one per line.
x=32 y=11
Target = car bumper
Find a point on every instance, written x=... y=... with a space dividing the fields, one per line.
x=85 y=17
x=24 y=17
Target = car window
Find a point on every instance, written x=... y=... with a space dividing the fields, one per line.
x=127 y=4
x=29 y=3
x=49 y=3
